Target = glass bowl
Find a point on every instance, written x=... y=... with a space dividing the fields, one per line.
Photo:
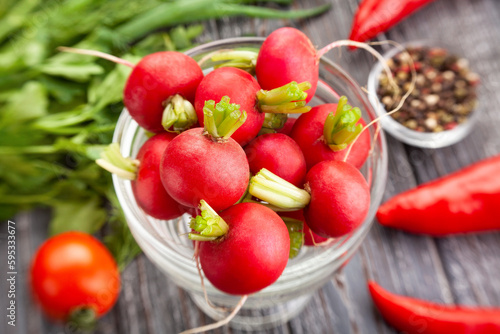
x=401 y=132
x=166 y=244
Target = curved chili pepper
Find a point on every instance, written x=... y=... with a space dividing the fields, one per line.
x=376 y=16
x=461 y=202
x=411 y=315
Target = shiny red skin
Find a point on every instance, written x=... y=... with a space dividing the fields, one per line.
x=462 y=202
x=310 y=238
x=194 y=167
x=415 y=316
x=71 y=270
x=308 y=131
x=287 y=55
x=279 y=154
x=376 y=16
x=252 y=255
x=148 y=190
x=241 y=88
x=287 y=128
x=340 y=199
x=153 y=80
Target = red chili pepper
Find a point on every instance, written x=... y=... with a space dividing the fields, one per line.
x=411 y=315
x=462 y=202
x=376 y=16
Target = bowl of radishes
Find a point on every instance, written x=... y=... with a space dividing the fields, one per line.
x=253 y=259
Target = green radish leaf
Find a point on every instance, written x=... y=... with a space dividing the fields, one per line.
x=120 y=241
x=110 y=89
x=29 y=103
x=29 y=178
x=180 y=38
x=92 y=152
x=85 y=216
x=7 y=211
x=153 y=43
x=75 y=72
x=63 y=91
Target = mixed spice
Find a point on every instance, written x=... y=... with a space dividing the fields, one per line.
x=444 y=94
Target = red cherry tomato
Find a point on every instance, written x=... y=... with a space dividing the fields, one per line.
x=74 y=270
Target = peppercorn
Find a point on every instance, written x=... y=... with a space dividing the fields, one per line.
x=444 y=94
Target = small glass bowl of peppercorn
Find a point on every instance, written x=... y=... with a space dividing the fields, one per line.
x=441 y=108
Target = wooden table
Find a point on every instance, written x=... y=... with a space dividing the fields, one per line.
x=455 y=270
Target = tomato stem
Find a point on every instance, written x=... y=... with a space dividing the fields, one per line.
x=113 y=161
x=289 y=98
x=178 y=115
x=340 y=128
x=84 y=318
x=209 y=225
x=296 y=232
x=222 y=119
x=274 y=190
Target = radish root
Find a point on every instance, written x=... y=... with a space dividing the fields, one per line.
x=367 y=47
x=96 y=54
x=386 y=69
x=198 y=267
x=221 y=322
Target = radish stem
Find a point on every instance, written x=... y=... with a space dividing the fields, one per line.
x=244 y=60
x=97 y=54
x=222 y=119
x=179 y=114
x=340 y=128
x=209 y=224
x=289 y=98
x=273 y=122
x=273 y=189
x=113 y=161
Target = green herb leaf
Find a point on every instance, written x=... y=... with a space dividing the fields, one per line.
x=29 y=103
x=120 y=241
x=85 y=216
x=110 y=89
x=75 y=72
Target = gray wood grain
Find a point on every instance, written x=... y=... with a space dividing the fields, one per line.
x=464 y=269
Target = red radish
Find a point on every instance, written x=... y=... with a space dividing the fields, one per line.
x=144 y=172
x=148 y=190
x=195 y=167
x=287 y=55
x=241 y=88
x=319 y=143
x=155 y=79
x=310 y=238
x=279 y=154
x=251 y=251
x=335 y=202
x=287 y=128
x=160 y=89
x=340 y=199
x=207 y=165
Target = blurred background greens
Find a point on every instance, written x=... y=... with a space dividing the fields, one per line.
x=58 y=110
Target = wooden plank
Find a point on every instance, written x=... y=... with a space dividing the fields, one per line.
x=451 y=270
